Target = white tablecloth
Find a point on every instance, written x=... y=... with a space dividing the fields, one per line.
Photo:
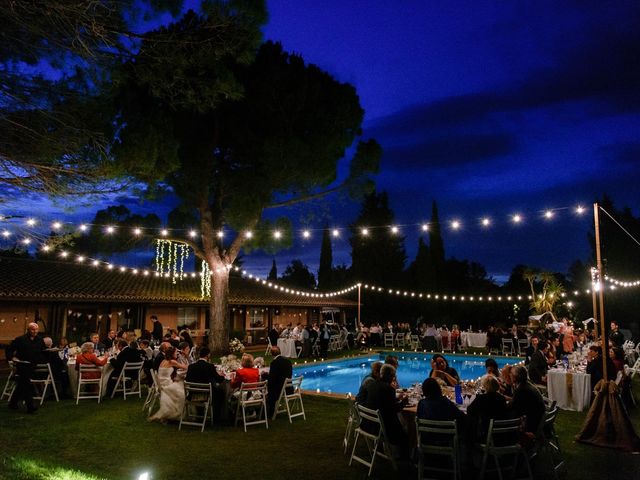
x=473 y=339
x=73 y=378
x=570 y=393
x=287 y=347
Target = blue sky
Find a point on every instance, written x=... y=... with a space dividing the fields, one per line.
x=489 y=108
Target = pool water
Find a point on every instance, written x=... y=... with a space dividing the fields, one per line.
x=345 y=376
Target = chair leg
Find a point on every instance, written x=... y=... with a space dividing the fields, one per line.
x=55 y=390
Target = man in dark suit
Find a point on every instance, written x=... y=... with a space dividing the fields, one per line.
x=279 y=370
x=58 y=366
x=538 y=365
x=127 y=353
x=204 y=372
x=26 y=352
x=157 y=332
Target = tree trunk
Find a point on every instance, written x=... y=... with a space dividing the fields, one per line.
x=219 y=310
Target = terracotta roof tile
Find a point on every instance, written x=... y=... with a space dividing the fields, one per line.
x=24 y=279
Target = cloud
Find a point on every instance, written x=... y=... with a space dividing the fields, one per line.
x=600 y=67
x=460 y=150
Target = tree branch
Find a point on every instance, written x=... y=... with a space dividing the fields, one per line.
x=305 y=198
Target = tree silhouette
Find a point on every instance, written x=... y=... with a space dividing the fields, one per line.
x=325 y=269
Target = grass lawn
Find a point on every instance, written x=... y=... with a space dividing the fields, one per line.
x=114 y=441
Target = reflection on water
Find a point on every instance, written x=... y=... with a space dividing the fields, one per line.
x=345 y=376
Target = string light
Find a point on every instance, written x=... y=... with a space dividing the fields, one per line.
x=455 y=224
x=335 y=232
x=485 y=222
x=364 y=232
x=580 y=209
x=277 y=234
x=220 y=234
x=517 y=218
x=6 y=233
x=193 y=234
x=31 y=222
x=394 y=230
x=83 y=228
x=137 y=231
x=548 y=214
x=164 y=232
x=425 y=227
x=110 y=229
x=248 y=234
x=622 y=283
x=306 y=234
x=56 y=225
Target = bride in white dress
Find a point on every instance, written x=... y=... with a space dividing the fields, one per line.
x=172 y=394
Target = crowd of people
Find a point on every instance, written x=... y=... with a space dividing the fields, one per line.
x=502 y=395
x=431 y=338
x=307 y=336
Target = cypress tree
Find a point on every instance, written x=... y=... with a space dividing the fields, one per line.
x=437 y=276
x=273 y=273
x=325 y=269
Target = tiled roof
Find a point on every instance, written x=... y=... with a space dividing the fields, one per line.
x=24 y=279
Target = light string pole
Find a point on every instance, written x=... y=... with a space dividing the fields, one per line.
x=603 y=331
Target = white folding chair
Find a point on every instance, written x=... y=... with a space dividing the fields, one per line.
x=352 y=422
x=400 y=340
x=197 y=396
x=42 y=378
x=502 y=441
x=438 y=439
x=635 y=369
x=523 y=344
x=83 y=379
x=377 y=443
x=10 y=385
x=252 y=396
x=130 y=374
x=507 y=346
x=388 y=340
x=290 y=400
x=153 y=394
x=315 y=349
x=269 y=346
x=548 y=441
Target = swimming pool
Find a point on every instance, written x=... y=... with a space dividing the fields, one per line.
x=345 y=376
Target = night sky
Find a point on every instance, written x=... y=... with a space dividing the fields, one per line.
x=489 y=108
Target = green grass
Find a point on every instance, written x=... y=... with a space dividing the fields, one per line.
x=114 y=441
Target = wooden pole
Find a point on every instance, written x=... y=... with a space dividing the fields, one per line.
x=600 y=283
x=594 y=299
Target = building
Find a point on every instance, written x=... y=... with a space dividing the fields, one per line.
x=73 y=300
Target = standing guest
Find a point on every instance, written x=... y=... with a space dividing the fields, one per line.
x=26 y=353
x=305 y=338
x=527 y=400
x=568 y=341
x=538 y=366
x=454 y=337
x=204 y=372
x=58 y=366
x=274 y=335
x=531 y=349
x=157 y=331
x=382 y=396
x=616 y=336
x=185 y=335
x=486 y=406
x=109 y=339
x=279 y=370
x=247 y=373
x=440 y=369
x=374 y=376
x=324 y=336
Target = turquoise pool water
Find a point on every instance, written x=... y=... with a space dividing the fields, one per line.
x=345 y=376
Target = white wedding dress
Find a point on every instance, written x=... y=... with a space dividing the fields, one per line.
x=171 y=396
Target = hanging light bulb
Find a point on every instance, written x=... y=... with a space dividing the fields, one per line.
x=137 y=231
x=46 y=248
x=486 y=222
x=548 y=214
x=83 y=227
x=110 y=229
x=56 y=225
x=517 y=218
x=335 y=232
x=364 y=231
x=31 y=222
x=580 y=209
x=6 y=233
x=26 y=241
x=455 y=224
x=277 y=234
x=248 y=234
x=394 y=230
x=425 y=227
x=193 y=233
x=164 y=232
x=306 y=234
x=220 y=234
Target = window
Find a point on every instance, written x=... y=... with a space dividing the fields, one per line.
x=187 y=317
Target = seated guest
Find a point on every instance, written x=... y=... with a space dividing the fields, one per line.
x=506 y=383
x=393 y=361
x=374 y=376
x=491 y=367
x=486 y=406
x=434 y=405
x=58 y=366
x=594 y=366
x=88 y=357
x=157 y=360
x=538 y=366
x=145 y=347
x=127 y=353
x=279 y=370
x=527 y=400
x=183 y=353
x=204 y=372
x=109 y=339
x=274 y=335
x=617 y=357
x=440 y=369
x=172 y=393
x=97 y=346
x=382 y=396
x=246 y=374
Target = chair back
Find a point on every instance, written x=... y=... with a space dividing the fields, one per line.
x=507 y=345
x=370 y=419
x=252 y=388
x=441 y=433
x=388 y=340
x=504 y=433
x=132 y=365
x=199 y=388
x=86 y=368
